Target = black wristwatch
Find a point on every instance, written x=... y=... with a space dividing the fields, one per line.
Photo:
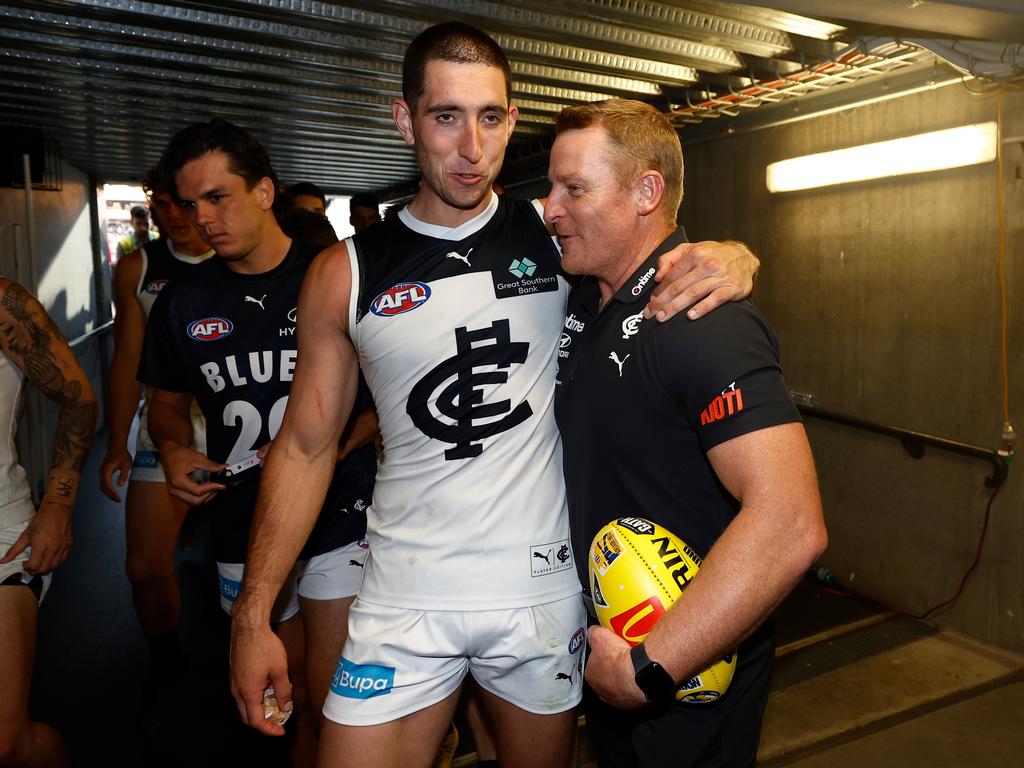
x=650 y=676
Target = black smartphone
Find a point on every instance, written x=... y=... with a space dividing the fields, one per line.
x=234 y=474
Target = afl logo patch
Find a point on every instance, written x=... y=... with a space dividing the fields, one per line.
x=156 y=286
x=577 y=640
x=399 y=298
x=210 y=329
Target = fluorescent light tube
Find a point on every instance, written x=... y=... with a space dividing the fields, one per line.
x=934 y=151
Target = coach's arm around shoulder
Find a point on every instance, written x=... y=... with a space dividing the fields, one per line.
x=762 y=554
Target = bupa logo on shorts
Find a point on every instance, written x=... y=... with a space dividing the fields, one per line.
x=210 y=329
x=399 y=298
x=362 y=681
x=229 y=588
x=145 y=459
x=155 y=286
x=576 y=642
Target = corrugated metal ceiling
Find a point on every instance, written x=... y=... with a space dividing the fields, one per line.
x=112 y=79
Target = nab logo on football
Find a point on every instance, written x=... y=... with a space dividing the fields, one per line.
x=633 y=624
x=400 y=298
x=210 y=328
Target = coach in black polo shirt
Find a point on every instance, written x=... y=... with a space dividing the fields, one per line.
x=686 y=423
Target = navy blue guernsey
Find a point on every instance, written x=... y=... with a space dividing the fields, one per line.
x=229 y=339
x=640 y=403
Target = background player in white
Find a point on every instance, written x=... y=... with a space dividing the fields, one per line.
x=34 y=542
x=153 y=518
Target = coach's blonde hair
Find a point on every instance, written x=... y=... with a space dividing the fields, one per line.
x=642 y=139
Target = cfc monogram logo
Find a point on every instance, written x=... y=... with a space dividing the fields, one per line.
x=458 y=388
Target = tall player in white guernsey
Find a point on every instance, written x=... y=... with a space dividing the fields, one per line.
x=34 y=542
x=454 y=312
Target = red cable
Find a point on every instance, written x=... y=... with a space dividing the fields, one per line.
x=963 y=581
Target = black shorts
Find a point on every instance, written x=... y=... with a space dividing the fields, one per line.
x=723 y=734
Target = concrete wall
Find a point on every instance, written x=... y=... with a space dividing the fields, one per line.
x=65 y=279
x=886 y=298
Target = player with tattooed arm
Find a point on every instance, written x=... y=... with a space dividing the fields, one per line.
x=34 y=541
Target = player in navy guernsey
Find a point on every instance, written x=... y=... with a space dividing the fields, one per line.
x=688 y=424
x=153 y=518
x=226 y=335
x=453 y=311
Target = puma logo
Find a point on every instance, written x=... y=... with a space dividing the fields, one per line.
x=355 y=562
x=257 y=301
x=460 y=257
x=546 y=558
x=563 y=676
x=615 y=359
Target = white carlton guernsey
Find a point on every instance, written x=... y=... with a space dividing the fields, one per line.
x=457 y=333
x=15 y=495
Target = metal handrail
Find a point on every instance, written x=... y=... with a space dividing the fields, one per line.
x=89 y=334
x=913 y=442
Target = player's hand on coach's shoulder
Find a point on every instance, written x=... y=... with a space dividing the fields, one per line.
x=258 y=661
x=180 y=462
x=705 y=274
x=117 y=460
x=610 y=670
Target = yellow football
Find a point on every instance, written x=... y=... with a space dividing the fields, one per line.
x=637 y=571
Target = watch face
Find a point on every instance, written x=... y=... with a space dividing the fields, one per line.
x=655 y=682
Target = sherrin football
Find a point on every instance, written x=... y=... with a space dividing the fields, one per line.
x=637 y=571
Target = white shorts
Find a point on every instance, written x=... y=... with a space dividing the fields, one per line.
x=16 y=568
x=146 y=467
x=329 y=576
x=397 y=661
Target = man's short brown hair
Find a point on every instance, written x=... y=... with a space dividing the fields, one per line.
x=642 y=139
x=452 y=41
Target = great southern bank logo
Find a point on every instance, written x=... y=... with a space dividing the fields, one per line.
x=362 y=681
x=210 y=328
x=521 y=269
x=403 y=297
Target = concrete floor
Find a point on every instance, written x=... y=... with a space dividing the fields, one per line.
x=985 y=731
x=852 y=686
x=904 y=706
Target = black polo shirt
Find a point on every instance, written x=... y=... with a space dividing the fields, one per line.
x=640 y=403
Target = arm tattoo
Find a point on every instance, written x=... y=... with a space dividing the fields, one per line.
x=30 y=339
